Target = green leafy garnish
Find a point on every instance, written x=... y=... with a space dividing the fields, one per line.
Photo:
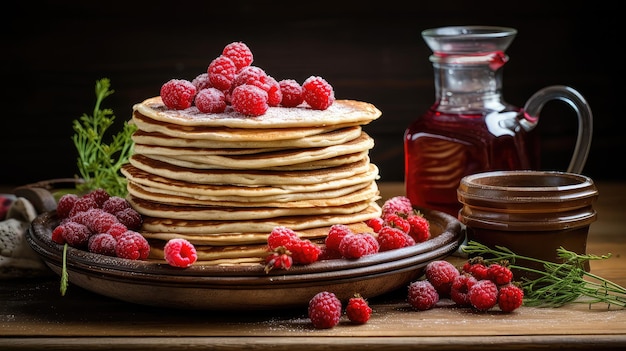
x=558 y=283
x=99 y=163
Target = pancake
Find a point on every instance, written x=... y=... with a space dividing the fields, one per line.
x=340 y=112
x=280 y=192
x=261 y=160
x=321 y=139
x=231 y=135
x=248 y=238
x=248 y=177
x=174 y=211
x=224 y=227
x=313 y=200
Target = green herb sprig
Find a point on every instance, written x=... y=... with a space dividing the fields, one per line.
x=99 y=163
x=559 y=283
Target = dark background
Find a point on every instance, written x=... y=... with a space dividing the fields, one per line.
x=53 y=53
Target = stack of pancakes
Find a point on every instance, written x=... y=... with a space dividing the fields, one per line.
x=224 y=181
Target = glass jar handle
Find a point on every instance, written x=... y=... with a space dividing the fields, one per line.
x=585 y=119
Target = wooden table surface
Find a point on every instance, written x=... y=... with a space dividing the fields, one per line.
x=33 y=315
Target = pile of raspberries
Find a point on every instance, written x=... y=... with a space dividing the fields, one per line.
x=232 y=80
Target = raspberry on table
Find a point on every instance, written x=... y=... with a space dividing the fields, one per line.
x=239 y=53
x=249 y=100
x=179 y=252
x=102 y=243
x=335 y=235
x=211 y=100
x=324 y=310
x=303 y=251
x=510 y=297
x=281 y=236
x=65 y=204
x=115 y=204
x=318 y=93
x=358 y=310
x=132 y=245
x=499 y=274
x=130 y=218
x=222 y=71
x=460 y=288
x=422 y=295
x=476 y=268
x=441 y=274
x=178 y=94
x=292 y=93
x=483 y=295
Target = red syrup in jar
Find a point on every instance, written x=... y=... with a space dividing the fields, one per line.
x=441 y=148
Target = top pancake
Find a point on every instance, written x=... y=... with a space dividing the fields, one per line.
x=341 y=112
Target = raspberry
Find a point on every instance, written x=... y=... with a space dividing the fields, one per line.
x=130 y=218
x=75 y=234
x=99 y=195
x=397 y=204
x=499 y=274
x=375 y=247
x=82 y=205
x=201 y=82
x=324 y=310
x=249 y=100
x=65 y=204
x=303 y=251
x=292 y=93
x=318 y=93
x=178 y=94
x=476 y=268
x=335 y=234
x=390 y=238
x=280 y=258
x=221 y=72
x=420 y=228
x=239 y=53
x=180 y=253
x=251 y=75
x=441 y=274
x=99 y=220
x=396 y=221
x=510 y=297
x=274 y=94
x=116 y=230
x=211 y=100
x=375 y=223
x=358 y=310
x=132 y=245
x=281 y=236
x=115 y=204
x=80 y=217
x=355 y=246
x=422 y=295
x=483 y=295
x=327 y=254
x=57 y=234
x=102 y=243
x=460 y=288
